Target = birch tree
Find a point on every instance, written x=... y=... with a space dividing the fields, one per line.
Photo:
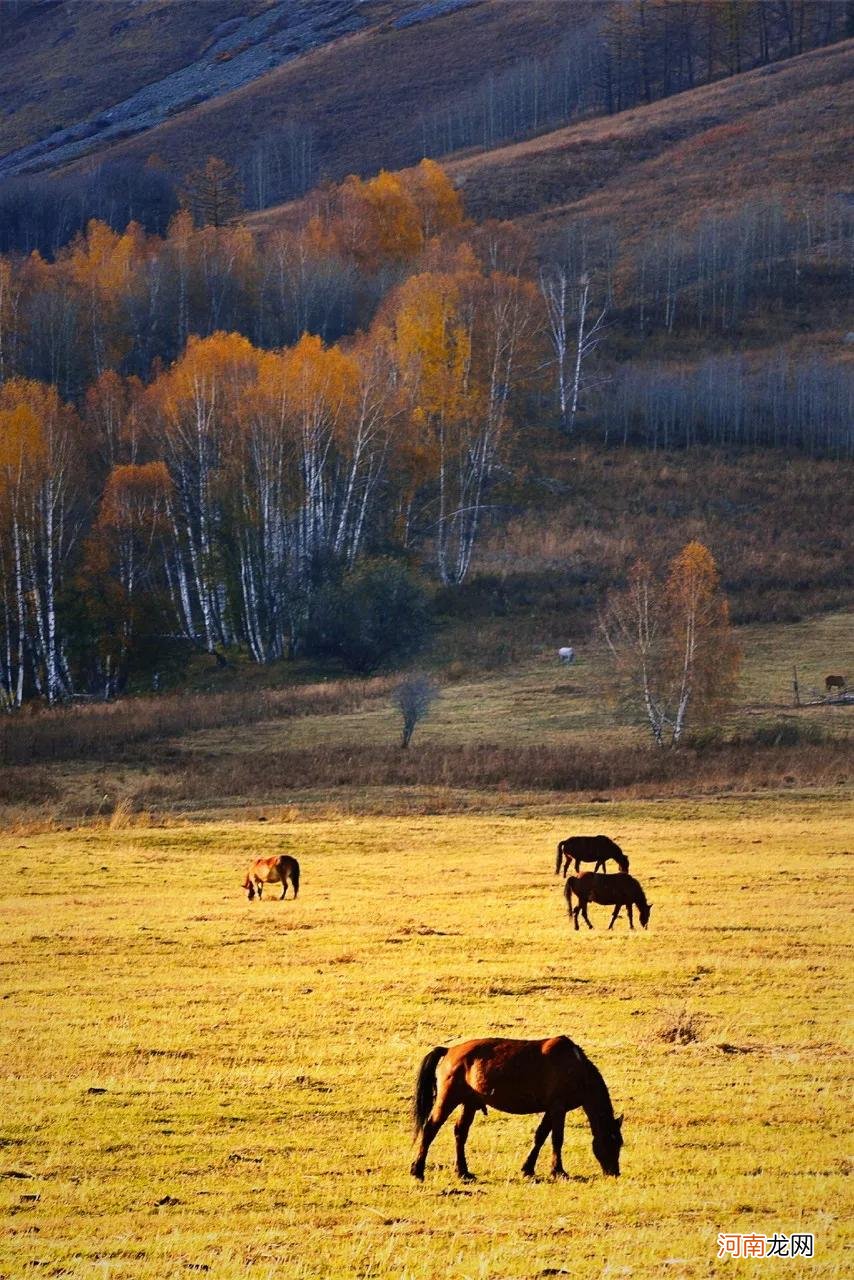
x=458 y=340
x=575 y=330
x=196 y=403
x=671 y=644
x=124 y=560
x=38 y=461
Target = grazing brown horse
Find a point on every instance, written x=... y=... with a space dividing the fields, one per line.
x=615 y=891
x=520 y=1076
x=834 y=682
x=280 y=869
x=596 y=849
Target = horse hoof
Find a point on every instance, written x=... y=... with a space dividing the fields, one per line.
x=417 y=1173
x=560 y=1173
x=528 y=1173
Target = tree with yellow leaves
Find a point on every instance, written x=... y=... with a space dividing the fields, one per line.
x=314 y=432
x=124 y=557
x=439 y=205
x=38 y=461
x=671 y=643
x=459 y=340
x=196 y=403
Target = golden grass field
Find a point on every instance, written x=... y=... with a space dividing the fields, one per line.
x=193 y=1084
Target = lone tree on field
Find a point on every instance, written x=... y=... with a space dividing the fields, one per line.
x=672 y=644
x=413 y=698
x=212 y=193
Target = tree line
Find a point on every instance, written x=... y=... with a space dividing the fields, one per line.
x=732 y=402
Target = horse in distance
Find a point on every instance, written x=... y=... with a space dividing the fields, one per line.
x=279 y=869
x=596 y=849
x=616 y=890
x=834 y=682
x=520 y=1077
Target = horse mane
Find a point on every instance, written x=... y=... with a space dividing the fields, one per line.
x=600 y=1108
x=642 y=902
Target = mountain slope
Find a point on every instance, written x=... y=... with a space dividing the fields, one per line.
x=360 y=93
x=785 y=127
x=62 y=62
x=116 y=70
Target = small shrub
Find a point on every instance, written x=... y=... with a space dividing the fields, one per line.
x=787 y=733
x=380 y=614
x=413 y=698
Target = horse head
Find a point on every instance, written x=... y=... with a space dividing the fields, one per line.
x=643 y=912
x=607 y=1145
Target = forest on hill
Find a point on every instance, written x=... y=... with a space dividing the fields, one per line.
x=308 y=434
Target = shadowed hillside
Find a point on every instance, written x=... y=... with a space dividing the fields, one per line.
x=785 y=127
x=361 y=92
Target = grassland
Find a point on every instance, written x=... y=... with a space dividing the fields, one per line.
x=193 y=1084
x=529 y=733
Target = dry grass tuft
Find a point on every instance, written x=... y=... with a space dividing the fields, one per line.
x=679 y=1026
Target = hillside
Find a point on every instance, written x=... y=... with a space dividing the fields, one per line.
x=358 y=73
x=783 y=128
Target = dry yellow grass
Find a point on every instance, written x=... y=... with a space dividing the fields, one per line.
x=196 y=1085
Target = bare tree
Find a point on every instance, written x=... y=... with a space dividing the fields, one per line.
x=212 y=192
x=573 y=333
x=413 y=698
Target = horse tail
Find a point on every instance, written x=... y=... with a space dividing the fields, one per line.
x=295 y=876
x=568 y=889
x=559 y=857
x=425 y=1088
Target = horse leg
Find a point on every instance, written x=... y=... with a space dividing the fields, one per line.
x=614 y=916
x=575 y=912
x=284 y=888
x=259 y=887
x=442 y=1108
x=558 y=1170
x=543 y=1128
x=629 y=909
x=585 y=915
x=461 y=1132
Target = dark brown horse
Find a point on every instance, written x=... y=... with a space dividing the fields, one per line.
x=280 y=869
x=609 y=891
x=597 y=849
x=520 y=1076
x=834 y=682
